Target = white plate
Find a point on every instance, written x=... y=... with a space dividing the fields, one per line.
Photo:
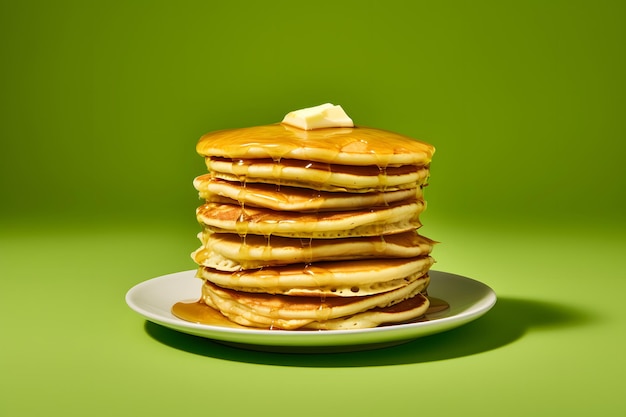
x=468 y=299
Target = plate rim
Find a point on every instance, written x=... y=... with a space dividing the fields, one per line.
x=264 y=337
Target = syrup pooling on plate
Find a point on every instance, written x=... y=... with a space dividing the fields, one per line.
x=199 y=312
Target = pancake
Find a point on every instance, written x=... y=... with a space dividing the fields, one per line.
x=318 y=176
x=396 y=218
x=231 y=252
x=284 y=312
x=333 y=279
x=358 y=146
x=285 y=198
x=404 y=311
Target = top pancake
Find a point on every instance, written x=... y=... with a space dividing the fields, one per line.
x=342 y=146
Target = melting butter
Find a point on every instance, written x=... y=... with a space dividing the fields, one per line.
x=324 y=115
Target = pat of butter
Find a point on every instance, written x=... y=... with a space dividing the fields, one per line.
x=324 y=115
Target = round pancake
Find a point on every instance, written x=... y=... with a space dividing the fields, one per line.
x=318 y=176
x=344 y=146
x=334 y=279
x=231 y=252
x=377 y=221
x=404 y=311
x=284 y=198
x=284 y=312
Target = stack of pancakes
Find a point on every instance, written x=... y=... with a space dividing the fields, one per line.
x=313 y=229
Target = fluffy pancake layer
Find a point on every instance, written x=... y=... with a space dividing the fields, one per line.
x=231 y=252
x=319 y=176
x=333 y=279
x=227 y=218
x=285 y=198
x=407 y=310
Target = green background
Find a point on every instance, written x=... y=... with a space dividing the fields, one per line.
x=102 y=104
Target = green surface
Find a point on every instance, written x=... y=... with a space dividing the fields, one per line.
x=101 y=106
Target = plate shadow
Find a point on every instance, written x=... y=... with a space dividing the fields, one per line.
x=505 y=323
